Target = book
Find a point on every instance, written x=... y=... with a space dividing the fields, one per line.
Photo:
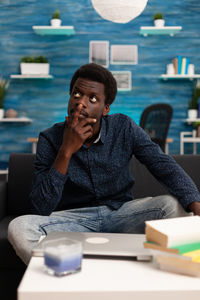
x=172 y=232
x=184 y=259
x=179 y=64
x=178 y=265
x=187 y=251
x=176 y=244
x=183 y=65
x=186 y=65
x=175 y=63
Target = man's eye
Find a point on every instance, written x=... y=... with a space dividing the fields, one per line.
x=93 y=99
x=77 y=95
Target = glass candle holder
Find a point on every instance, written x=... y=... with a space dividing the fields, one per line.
x=62 y=256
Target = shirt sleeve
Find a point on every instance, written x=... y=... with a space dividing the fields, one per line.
x=48 y=183
x=163 y=167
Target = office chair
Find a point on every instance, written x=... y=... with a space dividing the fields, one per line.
x=155 y=120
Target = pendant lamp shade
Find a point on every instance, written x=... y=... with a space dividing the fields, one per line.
x=119 y=11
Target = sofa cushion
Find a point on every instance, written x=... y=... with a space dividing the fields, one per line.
x=145 y=184
x=21 y=174
x=191 y=165
x=8 y=257
x=19 y=182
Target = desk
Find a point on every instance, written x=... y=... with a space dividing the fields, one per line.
x=168 y=141
x=189 y=137
x=108 y=279
x=34 y=143
x=4 y=172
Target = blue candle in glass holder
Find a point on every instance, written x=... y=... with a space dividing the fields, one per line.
x=62 y=256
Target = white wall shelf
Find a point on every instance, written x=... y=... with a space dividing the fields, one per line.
x=17 y=120
x=190 y=121
x=31 y=76
x=177 y=76
x=153 y=30
x=50 y=30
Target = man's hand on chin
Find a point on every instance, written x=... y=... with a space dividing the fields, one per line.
x=195 y=207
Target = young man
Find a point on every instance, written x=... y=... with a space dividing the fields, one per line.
x=82 y=180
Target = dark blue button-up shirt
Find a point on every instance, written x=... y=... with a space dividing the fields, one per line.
x=100 y=174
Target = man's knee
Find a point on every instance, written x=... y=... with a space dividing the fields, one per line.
x=15 y=224
x=171 y=207
x=23 y=236
x=15 y=228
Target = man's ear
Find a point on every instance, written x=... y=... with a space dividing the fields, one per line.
x=106 y=110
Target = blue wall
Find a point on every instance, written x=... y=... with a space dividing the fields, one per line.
x=45 y=101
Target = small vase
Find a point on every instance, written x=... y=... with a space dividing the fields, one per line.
x=192 y=114
x=55 y=22
x=190 y=69
x=1 y=113
x=170 y=69
x=11 y=113
x=159 y=23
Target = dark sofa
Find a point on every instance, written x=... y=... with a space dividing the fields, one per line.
x=14 y=195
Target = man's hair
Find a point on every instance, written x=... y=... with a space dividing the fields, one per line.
x=97 y=73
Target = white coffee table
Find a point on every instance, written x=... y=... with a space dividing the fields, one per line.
x=107 y=279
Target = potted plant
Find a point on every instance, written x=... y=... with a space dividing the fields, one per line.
x=193 y=103
x=34 y=65
x=55 y=19
x=3 y=90
x=159 y=20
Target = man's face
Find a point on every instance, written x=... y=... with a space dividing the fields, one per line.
x=91 y=95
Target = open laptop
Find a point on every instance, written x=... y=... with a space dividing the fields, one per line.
x=103 y=244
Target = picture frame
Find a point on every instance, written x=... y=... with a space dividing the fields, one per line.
x=99 y=53
x=124 y=55
x=124 y=80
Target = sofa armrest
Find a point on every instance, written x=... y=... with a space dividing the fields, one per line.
x=3 y=197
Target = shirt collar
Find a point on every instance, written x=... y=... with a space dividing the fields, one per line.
x=98 y=138
x=102 y=132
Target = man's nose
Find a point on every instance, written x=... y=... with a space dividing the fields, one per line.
x=83 y=100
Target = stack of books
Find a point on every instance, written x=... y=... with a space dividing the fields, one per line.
x=181 y=65
x=175 y=243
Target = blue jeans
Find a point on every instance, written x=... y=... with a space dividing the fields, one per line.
x=24 y=232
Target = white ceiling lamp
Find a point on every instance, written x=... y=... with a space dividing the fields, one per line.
x=119 y=11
